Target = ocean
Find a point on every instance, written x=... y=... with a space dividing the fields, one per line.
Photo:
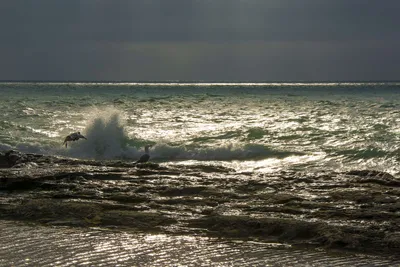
x=308 y=166
x=257 y=127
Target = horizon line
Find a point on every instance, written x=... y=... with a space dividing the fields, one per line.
x=200 y=81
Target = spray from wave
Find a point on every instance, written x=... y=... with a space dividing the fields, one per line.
x=107 y=138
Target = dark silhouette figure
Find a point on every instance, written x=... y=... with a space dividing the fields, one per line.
x=145 y=157
x=73 y=137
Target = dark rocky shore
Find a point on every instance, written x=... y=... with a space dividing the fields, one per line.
x=357 y=210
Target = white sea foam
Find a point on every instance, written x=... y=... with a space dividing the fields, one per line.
x=260 y=125
x=106 y=138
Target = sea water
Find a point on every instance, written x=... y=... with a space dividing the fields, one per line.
x=254 y=127
x=267 y=162
x=65 y=246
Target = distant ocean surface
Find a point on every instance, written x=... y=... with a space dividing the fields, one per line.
x=252 y=127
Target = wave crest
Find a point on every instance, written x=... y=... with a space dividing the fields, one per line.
x=107 y=139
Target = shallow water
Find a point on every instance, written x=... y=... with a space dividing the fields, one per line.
x=357 y=210
x=23 y=245
x=305 y=164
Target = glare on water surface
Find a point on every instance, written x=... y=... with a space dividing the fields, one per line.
x=264 y=127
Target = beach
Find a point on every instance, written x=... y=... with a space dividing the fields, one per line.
x=298 y=167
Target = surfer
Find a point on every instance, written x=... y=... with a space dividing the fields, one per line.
x=73 y=137
x=145 y=157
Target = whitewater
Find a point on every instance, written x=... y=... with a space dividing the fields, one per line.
x=256 y=127
x=250 y=174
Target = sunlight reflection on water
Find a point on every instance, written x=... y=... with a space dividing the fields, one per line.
x=354 y=125
x=23 y=245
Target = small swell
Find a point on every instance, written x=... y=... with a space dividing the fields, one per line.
x=108 y=139
x=368 y=153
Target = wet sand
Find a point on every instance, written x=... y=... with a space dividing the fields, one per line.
x=357 y=211
x=27 y=245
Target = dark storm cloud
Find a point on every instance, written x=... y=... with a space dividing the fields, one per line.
x=185 y=20
x=199 y=39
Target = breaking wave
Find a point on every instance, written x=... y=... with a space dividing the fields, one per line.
x=107 y=138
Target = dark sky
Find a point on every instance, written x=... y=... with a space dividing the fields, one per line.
x=209 y=40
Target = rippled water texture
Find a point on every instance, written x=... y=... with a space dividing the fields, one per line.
x=310 y=165
x=357 y=210
x=252 y=127
x=62 y=246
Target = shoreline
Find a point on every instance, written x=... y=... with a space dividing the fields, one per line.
x=353 y=211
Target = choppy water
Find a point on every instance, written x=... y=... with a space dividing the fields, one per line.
x=42 y=246
x=249 y=127
x=269 y=162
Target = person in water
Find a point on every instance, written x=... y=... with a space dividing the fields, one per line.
x=73 y=137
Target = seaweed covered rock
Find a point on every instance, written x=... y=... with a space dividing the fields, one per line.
x=3 y=161
x=299 y=231
x=371 y=173
x=377 y=177
x=13 y=158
